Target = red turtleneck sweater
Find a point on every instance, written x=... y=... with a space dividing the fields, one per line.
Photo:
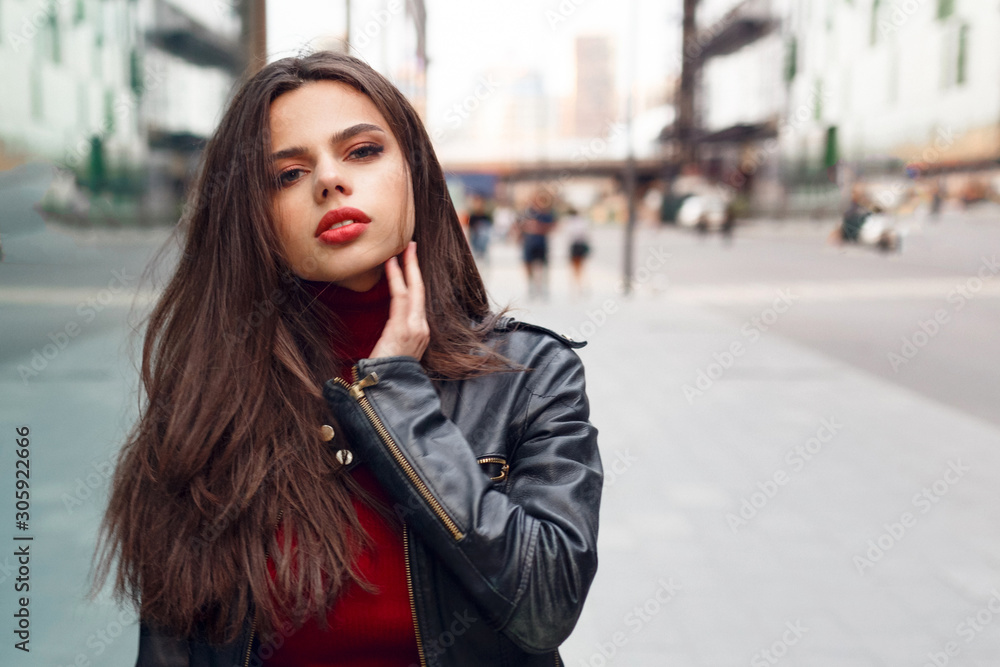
x=366 y=629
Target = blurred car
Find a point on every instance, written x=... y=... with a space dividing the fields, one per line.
x=670 y=206
x=706 y=213
x=878 y=230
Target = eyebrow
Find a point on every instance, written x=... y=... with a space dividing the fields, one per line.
x=337 y=138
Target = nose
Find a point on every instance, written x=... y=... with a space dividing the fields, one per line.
x=331 y=176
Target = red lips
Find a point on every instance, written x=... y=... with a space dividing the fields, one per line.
x=339 y=215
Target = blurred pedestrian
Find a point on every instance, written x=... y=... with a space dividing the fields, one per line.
x=855 y=215
x=535 y=225
x=578 y=231
x=480 y=227
x=937 y=195
x=728 y=223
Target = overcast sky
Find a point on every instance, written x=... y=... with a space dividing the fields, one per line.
x=466 y=38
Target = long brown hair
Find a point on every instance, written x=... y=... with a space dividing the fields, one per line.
x=234 y=356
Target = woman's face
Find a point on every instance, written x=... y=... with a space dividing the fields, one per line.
x=344 y=200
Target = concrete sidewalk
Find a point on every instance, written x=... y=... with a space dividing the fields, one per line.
x=765 y=504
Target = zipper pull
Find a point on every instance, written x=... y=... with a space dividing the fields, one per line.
x=366 y=381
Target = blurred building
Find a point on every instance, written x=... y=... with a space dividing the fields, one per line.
x=742 y=97
x=506 y=114
x=882 y=87
x=796 y=99
x=594 y=101
x=72 y=79
x=121 y=94
x=193 y=54
x=391 y=36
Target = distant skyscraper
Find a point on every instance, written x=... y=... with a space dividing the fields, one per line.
x=595 y=103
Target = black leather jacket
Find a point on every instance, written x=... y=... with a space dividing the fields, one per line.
x=498 y=480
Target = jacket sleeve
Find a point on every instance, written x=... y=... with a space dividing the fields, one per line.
x=528 y=556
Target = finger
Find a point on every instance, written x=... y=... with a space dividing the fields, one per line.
x=415 y=282
x=394 y=276
x=397 y=288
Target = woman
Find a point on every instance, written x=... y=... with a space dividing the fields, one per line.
x=345 y=457
x=480 y=227
x=536 y=224
x=578 y=231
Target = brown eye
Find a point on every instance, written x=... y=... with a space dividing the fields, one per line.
x=288 y=177
x=366 y=151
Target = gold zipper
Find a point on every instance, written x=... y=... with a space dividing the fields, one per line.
x=355 y=390
x=253 y=626
x=409 y=588
x=253 y=629
x=496 y=459
x=558 y=661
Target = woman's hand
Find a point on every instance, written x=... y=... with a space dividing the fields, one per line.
x=406 y=332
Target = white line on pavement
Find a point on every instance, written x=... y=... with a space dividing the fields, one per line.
x=855 y=290
x=73 y=296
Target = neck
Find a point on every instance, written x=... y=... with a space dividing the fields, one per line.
x=356 y=318
x=363 y=281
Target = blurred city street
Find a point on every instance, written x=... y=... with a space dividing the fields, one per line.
x=796 y=392
x=773 y=497
x=779 y=489
x=67 y=376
